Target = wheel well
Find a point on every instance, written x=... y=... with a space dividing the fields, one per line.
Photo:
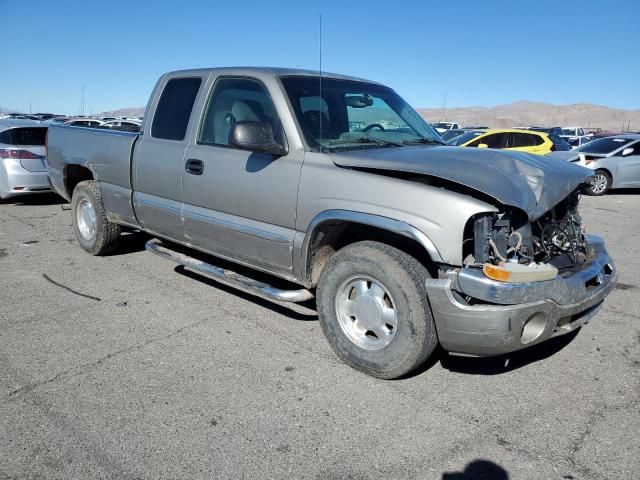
x=331 y=236
x=605 y=170
x=73 y=175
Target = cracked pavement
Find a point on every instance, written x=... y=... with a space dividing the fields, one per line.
x=165 y=374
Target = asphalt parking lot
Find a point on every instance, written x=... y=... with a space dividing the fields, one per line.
x=135 y=370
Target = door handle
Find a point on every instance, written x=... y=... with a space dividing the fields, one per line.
x=194 y=166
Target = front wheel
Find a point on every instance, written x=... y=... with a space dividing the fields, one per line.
x=600 y=183
x=373 y=309
x=94 y=232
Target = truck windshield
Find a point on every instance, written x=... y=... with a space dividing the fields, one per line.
x=352 y=115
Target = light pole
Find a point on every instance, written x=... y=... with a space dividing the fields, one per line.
x=444 y=104
x=82 y=111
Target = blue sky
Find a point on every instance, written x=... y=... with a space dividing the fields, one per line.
x=480 y=53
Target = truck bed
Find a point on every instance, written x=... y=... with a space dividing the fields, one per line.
x=107 y=153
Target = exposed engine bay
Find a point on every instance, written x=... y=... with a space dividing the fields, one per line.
x=507 y=238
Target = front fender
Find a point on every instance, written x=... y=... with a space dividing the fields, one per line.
x=378 y=221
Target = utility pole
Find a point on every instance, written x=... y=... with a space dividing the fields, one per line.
x=444 y=104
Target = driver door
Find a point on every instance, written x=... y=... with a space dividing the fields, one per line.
x=238 y=204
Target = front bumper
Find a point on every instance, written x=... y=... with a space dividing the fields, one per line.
x=512 y=316
x=16 y=180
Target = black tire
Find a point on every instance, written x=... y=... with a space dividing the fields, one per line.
x=107 y=234
x=403 y=277
x=601 y=179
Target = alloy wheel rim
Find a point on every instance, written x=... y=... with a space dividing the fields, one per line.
x=366 y=312
x=599 y=183
x=86 y=219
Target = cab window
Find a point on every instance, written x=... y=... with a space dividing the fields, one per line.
x=237 y=100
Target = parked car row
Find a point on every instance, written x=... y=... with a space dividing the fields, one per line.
x=529 y=141
x=562 y=138
x=114 y=123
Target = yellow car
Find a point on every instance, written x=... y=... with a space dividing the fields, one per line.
x=508 y=139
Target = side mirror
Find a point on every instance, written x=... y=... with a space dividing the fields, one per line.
x=483 y=145
x=627 y=151
x=255 y=137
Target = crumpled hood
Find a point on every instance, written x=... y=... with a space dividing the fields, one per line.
x=533 y=183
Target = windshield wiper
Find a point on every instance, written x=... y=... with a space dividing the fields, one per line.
x=376 y=141
x=424 y=141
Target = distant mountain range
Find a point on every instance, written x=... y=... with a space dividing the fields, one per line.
x=521 y=114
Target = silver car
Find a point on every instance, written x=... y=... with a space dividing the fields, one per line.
x=23 y=165
x=616 y=161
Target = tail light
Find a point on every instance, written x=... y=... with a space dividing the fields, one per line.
x=18 y=154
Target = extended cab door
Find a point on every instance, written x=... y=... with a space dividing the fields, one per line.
x=239 y=204
x=159 y=156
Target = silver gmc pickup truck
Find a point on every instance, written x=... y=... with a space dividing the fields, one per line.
x=338 y=190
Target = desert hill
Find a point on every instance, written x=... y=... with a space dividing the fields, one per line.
x=543 y=114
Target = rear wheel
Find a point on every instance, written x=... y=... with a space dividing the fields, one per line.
x=600 y=183
x=373 y=309
x=94 y=232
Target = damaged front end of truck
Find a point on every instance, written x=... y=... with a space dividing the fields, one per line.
x=511 y=248
x=529 y=271
x=523 y=281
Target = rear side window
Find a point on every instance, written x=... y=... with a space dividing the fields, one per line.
x=174 y=108
x=498 y=140
x=24 y=136
x=636 y=149
x=495 y=140
x=526 y=140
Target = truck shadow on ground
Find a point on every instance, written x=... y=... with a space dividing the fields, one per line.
x=37 y=199
x=506 y=363
x=132 y=241
x=624 y=191
x=479 y=470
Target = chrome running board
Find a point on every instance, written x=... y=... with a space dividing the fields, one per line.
x=228 y=277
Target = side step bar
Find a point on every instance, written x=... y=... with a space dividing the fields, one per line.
x=228 y=277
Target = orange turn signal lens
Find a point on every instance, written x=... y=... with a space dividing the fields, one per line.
x=496 y=273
